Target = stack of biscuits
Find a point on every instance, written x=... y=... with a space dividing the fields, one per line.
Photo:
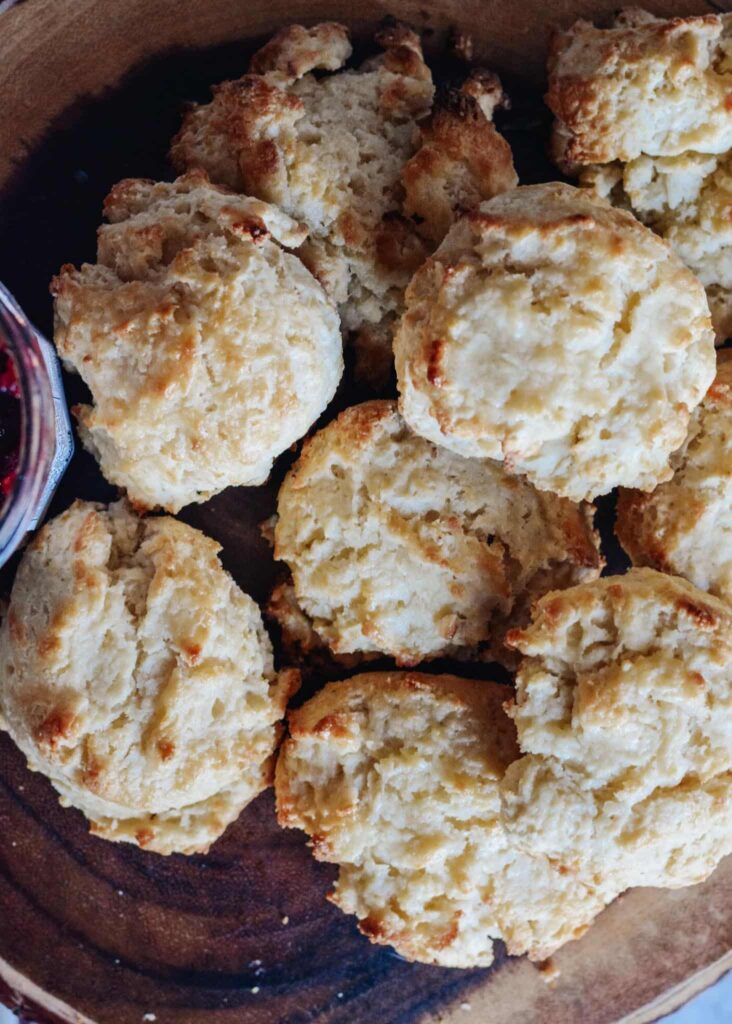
x=550 y=343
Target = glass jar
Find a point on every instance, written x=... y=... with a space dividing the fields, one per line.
x=45 y=442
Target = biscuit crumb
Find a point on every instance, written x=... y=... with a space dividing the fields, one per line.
x=548 y=971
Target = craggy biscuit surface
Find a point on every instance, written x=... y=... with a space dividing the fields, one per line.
x=685 y=525
x=687 y=200
x=329 y=151
x=462 y=159
x=644 y=117
x=555 y=333
x=207 y=347
x=643 y=86
x=395 y=776
x=623 y=711
x=335 y=152
x=138 y=677
x=448 y=838
x=402 y=547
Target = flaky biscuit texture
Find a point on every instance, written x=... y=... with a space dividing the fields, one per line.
x=351 y=156
x=687 y=200
x=395 y=777
x=622 y=708
x=462 y=159
x=644 y=117
x=329 y=151
x=447 y=837
x=557 y=334
x=402 y=547
x=684 y=526
x=138 y=677
x=643 y=86
x=207 y=347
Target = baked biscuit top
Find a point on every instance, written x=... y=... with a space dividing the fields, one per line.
x=643 y=86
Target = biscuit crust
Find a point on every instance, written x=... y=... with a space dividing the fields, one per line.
x=462 y=159
x=138 y=677
x=556 y=334
x=401 y=547
x=208 y=348
x=684 y=526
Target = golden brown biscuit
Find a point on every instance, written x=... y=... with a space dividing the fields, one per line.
x=642 y=86
x=644 y=118
x=557 y=334
x=685 y=526
x=331 y=151
x=207 y=347
x=687 y=200
x=137 y=676
x=462 y=159
x=623 y=711
x=400 y=547
x=395 y=777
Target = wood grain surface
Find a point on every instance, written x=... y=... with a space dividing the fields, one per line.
x=245 y=935
x=93 y=931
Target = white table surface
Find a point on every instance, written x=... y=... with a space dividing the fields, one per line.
x=712 y=1007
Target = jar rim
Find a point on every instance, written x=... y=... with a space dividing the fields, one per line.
x=37 y=423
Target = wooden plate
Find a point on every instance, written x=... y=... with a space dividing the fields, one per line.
x=92 y=91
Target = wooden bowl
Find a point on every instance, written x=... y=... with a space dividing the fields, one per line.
x=91 y=92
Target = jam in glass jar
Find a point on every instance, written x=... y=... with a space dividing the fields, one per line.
x=36 y=442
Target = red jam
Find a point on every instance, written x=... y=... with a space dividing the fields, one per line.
x=9 y=425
